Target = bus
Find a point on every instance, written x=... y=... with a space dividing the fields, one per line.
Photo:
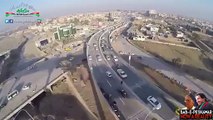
x=12 y=95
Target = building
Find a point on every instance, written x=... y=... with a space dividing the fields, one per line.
x=139 y=38
x=42 y=43
x=64 y=32
x=152 y=28
x=151 y=13
x=179 y=34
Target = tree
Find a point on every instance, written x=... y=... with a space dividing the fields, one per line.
x=176 y=61
x=195 y=36
x=75 y=21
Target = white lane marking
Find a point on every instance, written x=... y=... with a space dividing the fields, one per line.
x=122 y=101
x=109 y=83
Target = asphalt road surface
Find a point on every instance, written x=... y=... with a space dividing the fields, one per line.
x=40 y=75
x=131 y=107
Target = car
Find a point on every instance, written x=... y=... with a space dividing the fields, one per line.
x=12 y=94
x=122 y=92
x=71 y=58
x=108 y=96
x=102 y=45
x=45 y=59
x=109 y=74
x=99 y=58
x=118 y=114
x=154 y=102
x=139 y=57
x=26 y=87
x=3 y=104
x=108 y=57
x=121 y=73
x=115 y=58
x=94 y=44
x=96 y=48
x=114 y=106
x=89 y=57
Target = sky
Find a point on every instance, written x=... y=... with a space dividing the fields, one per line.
x=201 y=9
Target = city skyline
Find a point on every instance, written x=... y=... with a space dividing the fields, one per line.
x=199 y=9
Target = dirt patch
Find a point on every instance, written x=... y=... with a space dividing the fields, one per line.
x=190 y=61
x=61 y=105
x=86 y=89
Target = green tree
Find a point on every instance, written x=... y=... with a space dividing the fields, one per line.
x=176 y=61
x=195 y=36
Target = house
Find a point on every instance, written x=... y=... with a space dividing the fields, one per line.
x=139 y=38
x=152 y=28
x=179 y=34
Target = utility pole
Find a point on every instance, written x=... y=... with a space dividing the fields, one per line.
x=130 y=58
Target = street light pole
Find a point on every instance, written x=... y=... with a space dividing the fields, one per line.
x=130 y=58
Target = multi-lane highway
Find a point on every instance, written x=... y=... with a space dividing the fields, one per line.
x=139 y=85
x=136 y=105
x=166 y=69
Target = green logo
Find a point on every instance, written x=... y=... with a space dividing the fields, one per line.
x=22 y=10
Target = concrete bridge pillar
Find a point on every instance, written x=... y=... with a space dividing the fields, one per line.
x=31 y=104
x=49 y=88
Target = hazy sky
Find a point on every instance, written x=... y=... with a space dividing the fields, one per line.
x=49 y=8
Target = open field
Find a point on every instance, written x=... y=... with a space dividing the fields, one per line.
x=61 y=104
x=191 y=61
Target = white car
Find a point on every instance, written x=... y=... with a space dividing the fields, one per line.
x=99 y=58
x=121 y=73
x=109 y=74
x=107 y=57
x=26 y=87
x=96 y=48
x=102 y=45
x=154 y=102
x=94 y=44
x=89 y=57
x=115 y=58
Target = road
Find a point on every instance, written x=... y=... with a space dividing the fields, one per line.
x=131 y=108
x=139 y=85
x=168 y=70
x=39 y=77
